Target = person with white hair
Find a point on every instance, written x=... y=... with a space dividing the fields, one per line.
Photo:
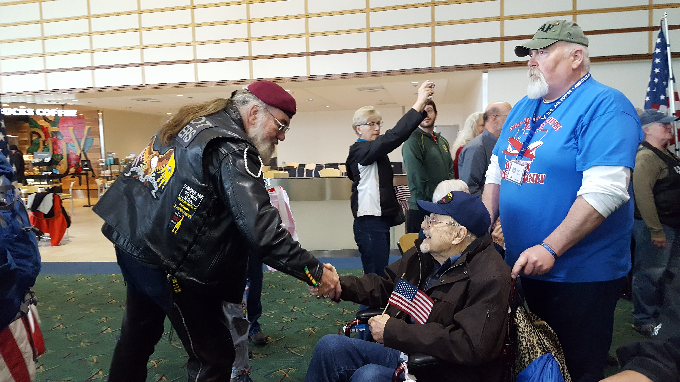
x=559 y=176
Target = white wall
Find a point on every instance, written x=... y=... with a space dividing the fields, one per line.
x=631 y=78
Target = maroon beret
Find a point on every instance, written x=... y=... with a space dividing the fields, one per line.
x=273 y=95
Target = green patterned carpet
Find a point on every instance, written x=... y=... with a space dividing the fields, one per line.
x=81 y=316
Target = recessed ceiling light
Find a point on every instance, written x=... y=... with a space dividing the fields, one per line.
x=180 y=95
x=286 y=90
x=168 y=113
x=4 y=104
x=414 y=82
x=310 y=99
x=128 y=107
x=327 y=106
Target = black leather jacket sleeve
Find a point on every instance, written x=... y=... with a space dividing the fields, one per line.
x=257 y=221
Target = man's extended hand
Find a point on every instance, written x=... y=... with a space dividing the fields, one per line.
x=377 y=326
x=535 y=260
x=330 y=283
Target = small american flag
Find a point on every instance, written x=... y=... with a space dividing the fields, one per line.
x=411 y=300
x=403 y=194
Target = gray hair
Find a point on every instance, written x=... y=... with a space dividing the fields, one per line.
x=446 y=186
x=570 y=47
x=362 y=116
x=244 y=98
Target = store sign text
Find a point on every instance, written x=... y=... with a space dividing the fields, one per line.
x=43 y=112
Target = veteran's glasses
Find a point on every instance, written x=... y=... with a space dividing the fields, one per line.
x=283 y=128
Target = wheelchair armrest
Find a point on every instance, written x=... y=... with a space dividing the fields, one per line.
x=419 y=360
x=364 y=315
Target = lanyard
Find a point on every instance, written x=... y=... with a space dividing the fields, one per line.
x=535 y=120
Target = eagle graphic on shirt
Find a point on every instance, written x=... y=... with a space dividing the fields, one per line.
x=153 y=168
x=515 y=142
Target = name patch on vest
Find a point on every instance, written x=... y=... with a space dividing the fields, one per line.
x=153 y=168
x=190 y=131
x=185 y=206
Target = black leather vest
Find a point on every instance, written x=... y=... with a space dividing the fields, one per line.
x=162 y=202
x=666 y=190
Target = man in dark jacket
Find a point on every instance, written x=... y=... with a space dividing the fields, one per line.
x=457 y=266
x=184 y=216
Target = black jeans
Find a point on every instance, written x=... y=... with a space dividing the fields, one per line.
x=582 y=316
x=198 y=320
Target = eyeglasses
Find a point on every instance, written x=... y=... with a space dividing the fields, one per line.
x=372 y=124
x=431 y=220
x=283 y=128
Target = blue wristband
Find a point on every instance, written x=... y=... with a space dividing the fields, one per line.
x=549 y=249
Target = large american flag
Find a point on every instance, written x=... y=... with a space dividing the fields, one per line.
x=657 y=90
x=411 y=300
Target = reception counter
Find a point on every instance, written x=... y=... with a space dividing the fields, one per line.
x=323 y=215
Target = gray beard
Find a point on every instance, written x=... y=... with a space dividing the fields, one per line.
x=425 y=247
x=266 y=149
x=537 y=87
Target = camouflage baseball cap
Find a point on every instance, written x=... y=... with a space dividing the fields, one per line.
x=550 y=33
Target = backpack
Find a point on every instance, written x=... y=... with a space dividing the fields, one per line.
x=19 y=256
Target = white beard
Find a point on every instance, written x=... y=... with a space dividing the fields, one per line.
x=537 y=87
x=425 y=247
x=265 y=148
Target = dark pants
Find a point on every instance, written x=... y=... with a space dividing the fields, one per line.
x=372 y=235
x=198 y=320
x=582 y=316
x=414 y=219
x=254 y=302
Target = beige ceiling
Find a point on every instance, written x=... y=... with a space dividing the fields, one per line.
x=345 y=94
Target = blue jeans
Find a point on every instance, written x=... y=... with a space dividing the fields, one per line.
x=650 y=265
x=253 y=301
x=372 y=235
x=340 y=358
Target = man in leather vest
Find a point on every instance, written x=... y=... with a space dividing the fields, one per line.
x=656 y=185
x=184 y=217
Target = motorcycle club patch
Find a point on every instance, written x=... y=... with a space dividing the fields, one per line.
x=190 y=131
x=185 y=206
x=153 y=168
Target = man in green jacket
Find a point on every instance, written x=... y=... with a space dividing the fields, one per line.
x=428 y=161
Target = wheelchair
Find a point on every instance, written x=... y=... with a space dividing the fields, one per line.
x=424 y=365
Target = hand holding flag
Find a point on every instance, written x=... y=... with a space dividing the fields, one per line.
x=411 y=300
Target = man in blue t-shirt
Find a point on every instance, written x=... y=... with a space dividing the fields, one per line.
x=559 y=177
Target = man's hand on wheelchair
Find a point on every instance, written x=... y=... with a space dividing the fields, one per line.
x=377 y=326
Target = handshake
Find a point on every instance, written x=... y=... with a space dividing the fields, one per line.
x=329 y=286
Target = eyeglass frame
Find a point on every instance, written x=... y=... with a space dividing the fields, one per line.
x=372 y=124
x=283 y=128
x=429 y=219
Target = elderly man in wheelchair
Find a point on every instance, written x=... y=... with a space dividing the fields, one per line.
x=447 y=297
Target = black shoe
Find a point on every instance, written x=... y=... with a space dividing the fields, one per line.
x=259 y=339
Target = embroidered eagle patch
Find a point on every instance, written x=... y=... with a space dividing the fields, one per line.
x=153 y=168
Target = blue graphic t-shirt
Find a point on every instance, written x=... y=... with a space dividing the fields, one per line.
x=595 y=126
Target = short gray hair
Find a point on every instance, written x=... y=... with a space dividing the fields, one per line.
x=446 y=186
x=244 y=98
x=362 y=116
x=570 y=47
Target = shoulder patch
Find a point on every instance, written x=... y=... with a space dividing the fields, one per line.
x=190 y=131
